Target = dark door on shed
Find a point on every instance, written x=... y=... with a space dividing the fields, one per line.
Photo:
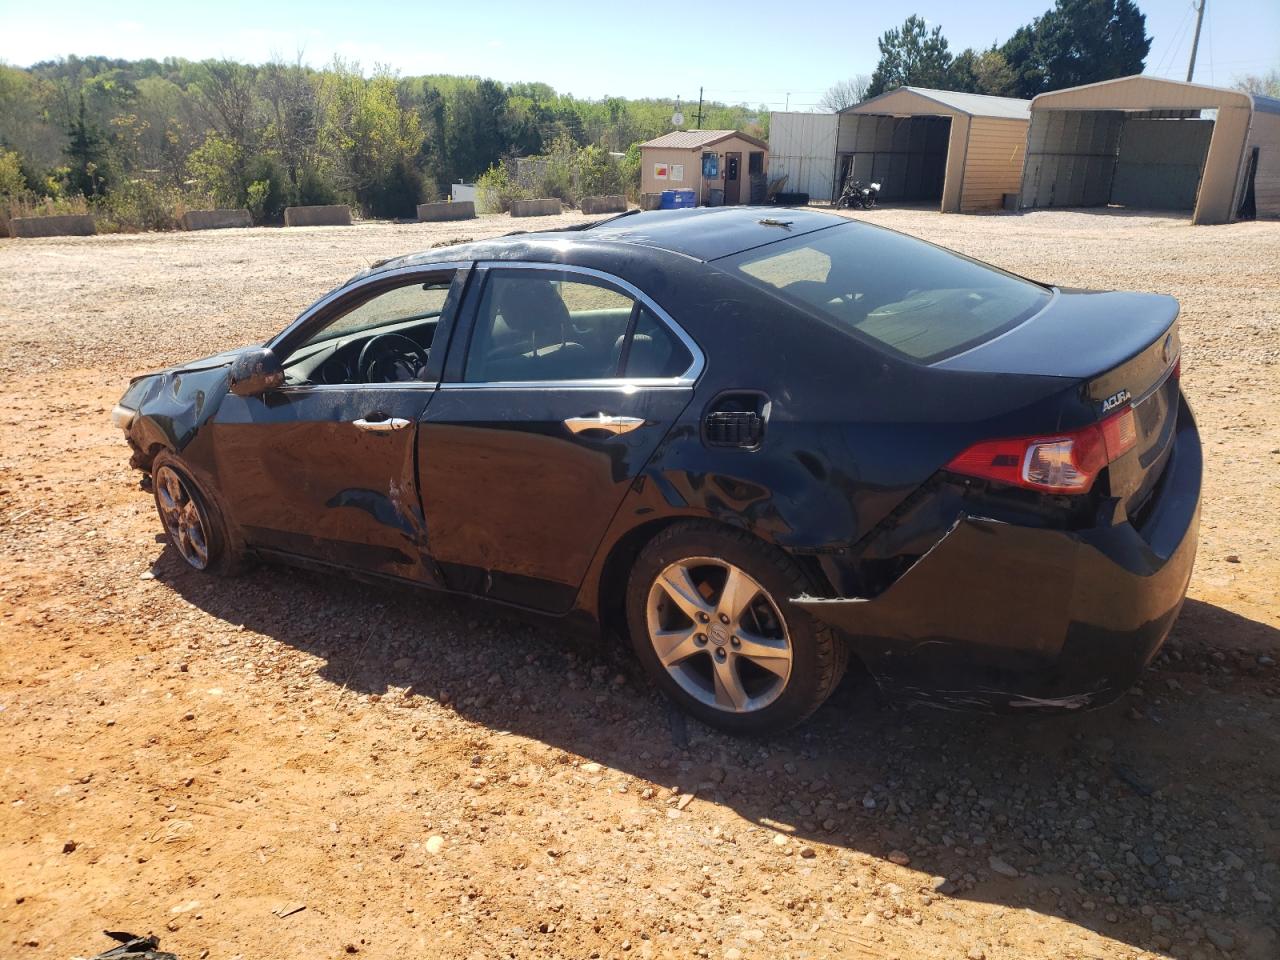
x=732 y=178
x=1249 y=203
x=1160 y=162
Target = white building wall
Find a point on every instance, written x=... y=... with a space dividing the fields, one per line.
x=803 y=146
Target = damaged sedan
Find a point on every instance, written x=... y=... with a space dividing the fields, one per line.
x=763 y=444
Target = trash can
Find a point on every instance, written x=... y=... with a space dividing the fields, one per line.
x=715 y=197
x=678 y=199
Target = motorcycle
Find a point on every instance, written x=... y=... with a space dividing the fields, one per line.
x=858 y=195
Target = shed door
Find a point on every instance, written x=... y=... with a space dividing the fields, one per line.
x=732 y=178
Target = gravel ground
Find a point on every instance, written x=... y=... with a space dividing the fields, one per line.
x=424 y=776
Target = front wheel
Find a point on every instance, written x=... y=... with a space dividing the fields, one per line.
x=195 y=528
x=710 y=618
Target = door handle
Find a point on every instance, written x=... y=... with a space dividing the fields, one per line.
x=380 y=426
x=604 y=421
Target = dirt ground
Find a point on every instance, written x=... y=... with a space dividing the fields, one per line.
x=290 y=765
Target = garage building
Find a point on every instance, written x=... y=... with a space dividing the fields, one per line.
x=1148 y=143
x=963 y=151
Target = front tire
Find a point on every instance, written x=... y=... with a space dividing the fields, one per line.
x=196 y=530
x=710 y=618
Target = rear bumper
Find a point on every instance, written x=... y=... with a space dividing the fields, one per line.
x=1010 y=618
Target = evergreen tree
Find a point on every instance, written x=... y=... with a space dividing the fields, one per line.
x=911 y=55
x=1077 y=42
x=86 y=152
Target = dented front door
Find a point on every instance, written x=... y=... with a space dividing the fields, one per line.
x=327 y=472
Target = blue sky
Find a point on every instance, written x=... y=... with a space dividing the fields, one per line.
x=746 y=51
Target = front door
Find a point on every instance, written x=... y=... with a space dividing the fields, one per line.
x=732 y=178
x=324 y=467
x=570 y=381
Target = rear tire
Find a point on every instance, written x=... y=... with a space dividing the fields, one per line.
x=710 y=618
x=196 y=529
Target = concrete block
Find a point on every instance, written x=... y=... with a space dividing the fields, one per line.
x=447 y=210
x=607 y=204
x=215 y=219
x=535 y=208
x=334 y=215
x=650 y=201
x=69 y=225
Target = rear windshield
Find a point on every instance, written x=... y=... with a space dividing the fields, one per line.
x=919 y=300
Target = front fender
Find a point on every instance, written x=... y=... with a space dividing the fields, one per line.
x=172 y=407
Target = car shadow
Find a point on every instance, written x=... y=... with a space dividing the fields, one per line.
x=1153 y=821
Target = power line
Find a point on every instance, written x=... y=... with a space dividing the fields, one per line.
x=1171 y=50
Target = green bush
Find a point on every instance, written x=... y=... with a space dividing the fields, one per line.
x=214 y=169
x=629 y=173
x=395 y=195
x=267 y=188
x=598 y=173
x=314 y=189
x=136 y=205
x=12 y=181
x=495 y=190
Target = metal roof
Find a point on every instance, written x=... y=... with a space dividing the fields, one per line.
x=692 y=139
x=1143 y=92
x=1265 y=104
x=973 y=104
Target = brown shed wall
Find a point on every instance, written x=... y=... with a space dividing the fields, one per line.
x=993 y=164
x=1264 y=134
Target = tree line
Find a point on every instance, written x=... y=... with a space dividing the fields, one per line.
x=1074 y=42
x=137 y=140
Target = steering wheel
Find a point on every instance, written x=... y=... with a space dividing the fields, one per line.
x=388 y=358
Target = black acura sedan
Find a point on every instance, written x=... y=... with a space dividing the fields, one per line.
x=760 y=442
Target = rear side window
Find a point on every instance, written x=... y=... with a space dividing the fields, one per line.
x=553 y=325
x=914 y=298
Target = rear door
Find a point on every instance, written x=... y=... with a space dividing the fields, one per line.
x=561 y=384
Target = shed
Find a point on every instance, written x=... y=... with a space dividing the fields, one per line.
x=1151 y=143
x=706 y=160
x=963 y=151
x=802 y=147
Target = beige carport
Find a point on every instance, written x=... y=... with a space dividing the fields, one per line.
x=1144 y=142
x=961 y=150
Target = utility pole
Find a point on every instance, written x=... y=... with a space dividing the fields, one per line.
x=699 y=108
x=1195 y=42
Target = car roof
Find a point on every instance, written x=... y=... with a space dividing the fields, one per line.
x=700 y=233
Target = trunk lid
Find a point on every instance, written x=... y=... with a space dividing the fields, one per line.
x=1122 y=347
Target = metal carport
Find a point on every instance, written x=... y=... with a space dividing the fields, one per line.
x=962 y=150
x=1144 y=142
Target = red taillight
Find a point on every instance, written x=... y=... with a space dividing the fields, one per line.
x=1177 y=368
x=1067 y=463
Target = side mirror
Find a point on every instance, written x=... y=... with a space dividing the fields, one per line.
x=255 y=372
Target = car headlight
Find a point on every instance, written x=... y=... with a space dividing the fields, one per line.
x=122 y=417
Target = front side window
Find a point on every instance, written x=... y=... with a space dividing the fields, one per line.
x=918 y=300
x=415 y=301
x=550 y=325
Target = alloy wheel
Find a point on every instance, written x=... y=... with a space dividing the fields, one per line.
x=183 y=519
x=719 y=634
